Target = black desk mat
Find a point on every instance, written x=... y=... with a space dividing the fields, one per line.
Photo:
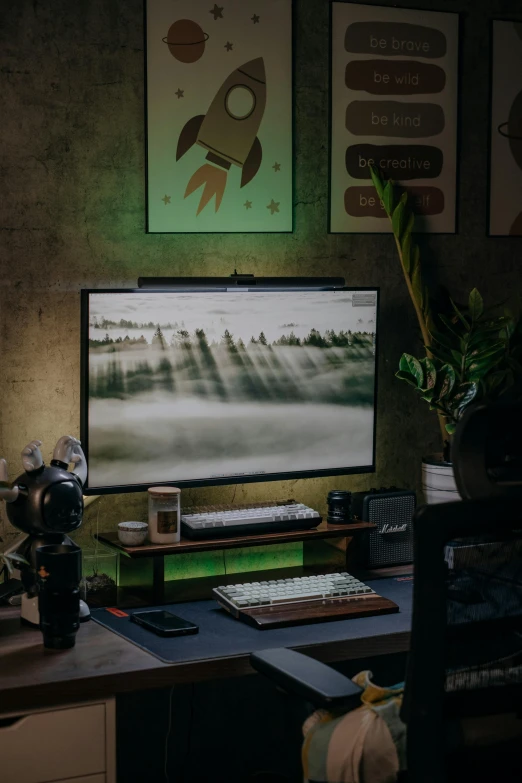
x=220 y=635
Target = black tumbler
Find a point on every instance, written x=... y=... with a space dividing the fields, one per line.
x=59 y=570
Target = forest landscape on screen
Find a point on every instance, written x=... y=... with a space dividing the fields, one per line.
x=203 y=386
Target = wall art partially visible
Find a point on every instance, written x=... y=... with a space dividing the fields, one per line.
x=394 y=103
x=505 y=197
x=219 y=116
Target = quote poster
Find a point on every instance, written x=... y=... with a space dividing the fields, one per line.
x=505 y=208
x=394 y=104
x=219 y=116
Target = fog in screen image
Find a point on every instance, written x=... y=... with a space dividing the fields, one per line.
x=188 y=386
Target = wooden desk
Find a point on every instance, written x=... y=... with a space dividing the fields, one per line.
x=103 y=664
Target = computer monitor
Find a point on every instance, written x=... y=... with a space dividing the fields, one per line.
x=204 y=386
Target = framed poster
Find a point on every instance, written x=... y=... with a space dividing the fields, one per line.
x=219 y=116
x=505 y=189
x=394 y=95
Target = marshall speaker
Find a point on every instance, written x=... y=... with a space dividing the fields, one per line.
x=391 y=509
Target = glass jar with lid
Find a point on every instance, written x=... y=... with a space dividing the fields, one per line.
x=164 y=515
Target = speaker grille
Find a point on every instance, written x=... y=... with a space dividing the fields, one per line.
x=387 y=549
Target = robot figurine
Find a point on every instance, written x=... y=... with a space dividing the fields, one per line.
x=45 y=503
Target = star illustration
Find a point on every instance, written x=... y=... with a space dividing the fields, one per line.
x=166 y=199
x=256 y=19
x=277 y=167
x=248 y=204
x=229 y=46
x=180 y=93
x=217 y=11
x=273 y=206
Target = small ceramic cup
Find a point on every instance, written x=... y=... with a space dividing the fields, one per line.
x=132 y=533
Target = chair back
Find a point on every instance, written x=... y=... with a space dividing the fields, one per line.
x=466 y=658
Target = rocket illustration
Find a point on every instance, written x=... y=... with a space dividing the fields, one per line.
x=229 y=132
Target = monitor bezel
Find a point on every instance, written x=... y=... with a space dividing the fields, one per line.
x=226 y=480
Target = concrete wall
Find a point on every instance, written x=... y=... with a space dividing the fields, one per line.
x=72 y=215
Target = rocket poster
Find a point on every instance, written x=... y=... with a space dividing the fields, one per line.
x=505 y=208
x=219 y=116
x=394 y=104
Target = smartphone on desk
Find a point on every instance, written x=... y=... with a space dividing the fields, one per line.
x=164 y=623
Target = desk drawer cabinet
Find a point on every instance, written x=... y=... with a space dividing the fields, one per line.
x=56 y=746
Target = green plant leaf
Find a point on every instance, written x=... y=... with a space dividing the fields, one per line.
x=450 y=326
x=450 y=427
x=459 y=314
x=409 y=364
x=428 y=317
x=406 y=376
x=479 y=370
x=17 y=557
x=430 y=374
x=477 y=355
x=494 y=380
x=465 y=394
x=504 y=334
x=489 y=358
x=484 y=334
x=406 y=251
x=457 y=357
x=8 y=564
x=388 y=198
x=447 y=374
x=509 y=381
x=416 y=279
x=440 y=353
x=378 y=180
x=509 y=323
x=407 y=244
x=442 y=339
x=475 y=305
x=399 y=216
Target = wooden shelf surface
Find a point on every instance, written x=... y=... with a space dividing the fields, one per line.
x=324 y=530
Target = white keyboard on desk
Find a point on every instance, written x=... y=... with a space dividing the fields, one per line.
x=227 y=522
x=290 y=591
x=278 y=603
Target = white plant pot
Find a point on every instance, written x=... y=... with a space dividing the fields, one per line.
x=438 y=481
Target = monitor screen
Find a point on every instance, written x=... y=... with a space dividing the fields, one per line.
x=218 y=387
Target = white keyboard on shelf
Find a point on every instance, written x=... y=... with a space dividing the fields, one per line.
x=290 y=591
x=221 y=522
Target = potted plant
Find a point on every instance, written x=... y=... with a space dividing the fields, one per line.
x=98 y=586
x=471 y=354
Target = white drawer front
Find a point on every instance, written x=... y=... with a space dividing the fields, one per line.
x=54 y=746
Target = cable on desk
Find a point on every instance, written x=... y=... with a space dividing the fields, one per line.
x=189 y=737
x=169 y=729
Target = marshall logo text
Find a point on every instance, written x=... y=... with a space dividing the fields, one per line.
x=390 y=528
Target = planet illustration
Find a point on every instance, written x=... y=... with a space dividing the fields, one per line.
x=186 y=41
